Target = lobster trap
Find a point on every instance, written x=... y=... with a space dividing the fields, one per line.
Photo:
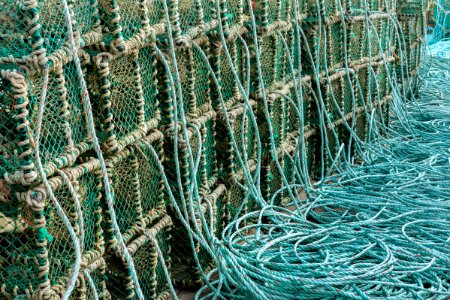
x=36 y=249
x=91 y=282
x=190 y=260
x=125 y=112
x=138 y=188
x=194 y=78
x=191 y=18
x=64 y=132
x=35 y=30
x=128 y=25
x=196 y=158
x=229 y=83
x=238 y=143
x=149 y=267
x=233 y=127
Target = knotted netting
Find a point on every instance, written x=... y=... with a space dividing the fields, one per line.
x=273 y=149
x=439 y=16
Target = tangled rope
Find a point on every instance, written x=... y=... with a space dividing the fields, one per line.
x=376 y=230
x=375 y=227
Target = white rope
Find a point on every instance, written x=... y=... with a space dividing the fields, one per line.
x=76 y=268
x=91 y=284
x=88 y=109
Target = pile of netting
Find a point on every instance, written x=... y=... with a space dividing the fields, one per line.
x=439 y=33
x=273 y=149
x=378 y=229
x=439 y=21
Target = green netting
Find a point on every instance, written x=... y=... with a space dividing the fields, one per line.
x=335 y=45
x=149 y=78
x=358 y=40
x=313 y=52
x=202 y=78
x=411 y=7
x=210 y=153
x=20 y=266
x=128 y=63
x=117 y=96
x=193 y=13
x=239 y=203
x=150 y=179
x=126 y=24
x=189 y=267
x=272 y=60
x=64 y=130
x=35 y=238
x=194 y=79
x=137 y=187
x=97 y=274
x=34 y=29
x=124 y=179
x=144 y=253
x=125 y=111
x=229 y=86
x=277 y=10
x=237 y=11
x=206 y=173
x=244 y=135
x=146 y=259
x=334 y=100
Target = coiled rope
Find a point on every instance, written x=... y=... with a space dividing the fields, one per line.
x=373 y=228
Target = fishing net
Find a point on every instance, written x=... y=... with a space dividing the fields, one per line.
x=439 y=21
x=137 y=187
x=35 y=239
x=240 y=147
x=142 y=248
x=34 y=31
x=64 y=133
x=93 y=282
x=189 y=267
x=126 y=113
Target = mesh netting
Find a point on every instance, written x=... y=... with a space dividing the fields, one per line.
x=64 y=131
x=189 y=268
x=33 y=30
x=36 y=239
x=164 y=121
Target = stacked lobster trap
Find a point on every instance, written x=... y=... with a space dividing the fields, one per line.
x=412 y=21
x=206 y=117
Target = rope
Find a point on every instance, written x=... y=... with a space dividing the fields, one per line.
x=92 y=131
x=374 y=224
x=77 y=263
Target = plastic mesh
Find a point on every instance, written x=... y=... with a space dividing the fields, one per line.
x=236 y=11
x=194 y=79
x=133 y=106
x=186 y=272
x=97 y=273
x=148 y=264
x=193 y=13
x=137 y=187
x=229 y=86
x=33 y=229
x=246 y=143
x=147 y=63
x=150 y=179
x=22 y=42
x=63 y=131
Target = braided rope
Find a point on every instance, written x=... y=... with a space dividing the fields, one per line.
x=98 y=151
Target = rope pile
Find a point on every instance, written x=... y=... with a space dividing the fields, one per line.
x=440 y=22
x=241 y=146
x=377 y=230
